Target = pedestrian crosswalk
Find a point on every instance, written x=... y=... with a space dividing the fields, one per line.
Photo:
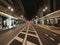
x=27 y=36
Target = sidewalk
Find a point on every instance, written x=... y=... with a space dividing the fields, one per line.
x=51 y=28
x=6 y=28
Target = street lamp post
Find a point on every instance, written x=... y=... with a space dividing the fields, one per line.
x=11 y=9
x=44 y=11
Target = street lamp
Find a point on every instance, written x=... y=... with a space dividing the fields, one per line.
x=43 y=10
x=21 y=16
x=9 y=7
x=12 y=9
x=46 y=7
x=36 y=16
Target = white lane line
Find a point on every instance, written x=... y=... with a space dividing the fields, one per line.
x=54 y=34
x=15 y=36
x=51 y=38
x=30 y=43
x=46 y=35
x=32 y=35
x=31 y=31
x=19 y=39
x=38 y=36
x=58 y=43
x=25 y=39
x=23 y=32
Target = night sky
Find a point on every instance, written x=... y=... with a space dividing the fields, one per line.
x=30 y=7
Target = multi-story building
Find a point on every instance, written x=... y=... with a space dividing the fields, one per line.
x=52 y=5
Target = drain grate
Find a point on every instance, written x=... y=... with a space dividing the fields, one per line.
x=15 y=42
x=21 y=35
x=32 y=32
x=33 y=40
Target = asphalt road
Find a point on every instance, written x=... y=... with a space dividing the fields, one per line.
x=47 y=37
x=7 y=35
x=31 y=35
x=26 y=36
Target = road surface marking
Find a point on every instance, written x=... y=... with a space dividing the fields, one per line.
x=38 y=37
x=46 y=35
x=23 y=32
x=30 y=43
x=15 y=36
x=54 y=34
x=32 y=35
x=19 y=39
x=50 y=29
x=25 y=39
x=31 y=31
x=52 y=39
x=58 y=43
